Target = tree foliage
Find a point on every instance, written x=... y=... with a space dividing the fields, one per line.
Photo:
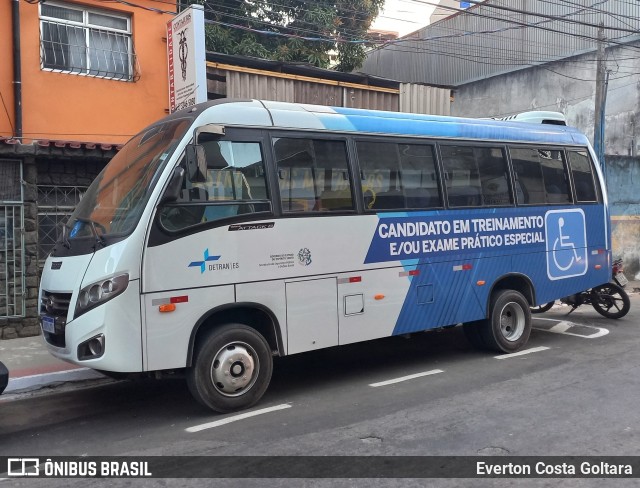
x=275 y=29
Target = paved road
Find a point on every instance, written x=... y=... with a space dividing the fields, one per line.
x=571 y=394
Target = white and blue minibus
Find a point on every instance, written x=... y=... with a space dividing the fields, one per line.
x=239 y=230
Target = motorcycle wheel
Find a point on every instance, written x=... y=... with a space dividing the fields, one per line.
x=610 y=300
x=542 y=308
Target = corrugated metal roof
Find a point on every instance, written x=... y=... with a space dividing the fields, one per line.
x=299 y=69
x=485 y=41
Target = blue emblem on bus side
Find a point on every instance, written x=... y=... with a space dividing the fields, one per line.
x=566 y=242
x=202 y=264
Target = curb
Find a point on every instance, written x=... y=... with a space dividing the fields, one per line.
x=26 y=384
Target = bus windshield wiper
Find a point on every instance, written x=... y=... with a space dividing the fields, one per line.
x=65 y=239
x=93 y=224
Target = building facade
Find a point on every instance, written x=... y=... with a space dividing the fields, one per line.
x=79 y=79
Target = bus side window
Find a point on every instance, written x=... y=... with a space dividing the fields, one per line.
x=461 y=176
x=398 y=176
x=418 y=176
x=541 y=175
x=235 y=184
x=475 y=176
x=313 y=175
x=556 y=178
x=582 y=176
x=494 y=171
x=380 y=175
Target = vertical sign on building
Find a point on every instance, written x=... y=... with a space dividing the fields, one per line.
x=186 y=54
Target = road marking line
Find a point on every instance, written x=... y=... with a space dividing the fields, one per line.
x=563 y=326
x=521 y=353
x=405 y=378
x=235 y=418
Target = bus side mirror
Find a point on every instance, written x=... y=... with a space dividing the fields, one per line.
x=196 y=163
x=172 y=193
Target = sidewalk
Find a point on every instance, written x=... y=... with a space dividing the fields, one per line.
x=31 y=367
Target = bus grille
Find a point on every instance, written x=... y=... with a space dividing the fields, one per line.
x=55 y=305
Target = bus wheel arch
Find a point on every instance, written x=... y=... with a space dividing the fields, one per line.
x=513 y=281
x=507 y=325
x=252 y=315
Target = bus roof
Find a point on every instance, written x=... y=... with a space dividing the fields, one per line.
x=293 y=116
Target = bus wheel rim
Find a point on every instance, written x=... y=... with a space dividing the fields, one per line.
x=234 y=369
x=512 y=322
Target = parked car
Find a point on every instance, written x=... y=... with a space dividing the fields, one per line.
x=4 y=377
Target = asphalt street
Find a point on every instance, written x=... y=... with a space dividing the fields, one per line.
x=575 y=390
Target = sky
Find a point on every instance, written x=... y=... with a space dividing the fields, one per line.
x=403 y=16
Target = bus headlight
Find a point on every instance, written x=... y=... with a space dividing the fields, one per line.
x=99 y=292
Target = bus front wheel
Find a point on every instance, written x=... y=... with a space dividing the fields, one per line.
x=231 y=369
x=509 y=324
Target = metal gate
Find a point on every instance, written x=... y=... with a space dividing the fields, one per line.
x=12 y=251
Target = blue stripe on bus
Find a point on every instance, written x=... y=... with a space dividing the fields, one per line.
x=450 y=127
x=440 y=296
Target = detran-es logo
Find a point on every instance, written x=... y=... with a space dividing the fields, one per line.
x=202 y=264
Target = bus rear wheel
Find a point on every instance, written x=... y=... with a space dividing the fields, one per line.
x=231 y=369
x=509 y=324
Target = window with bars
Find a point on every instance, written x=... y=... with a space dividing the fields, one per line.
x=12 y=276
x=86 y=41
x=55 y=206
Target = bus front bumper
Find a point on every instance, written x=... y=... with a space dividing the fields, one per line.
x=115 y=326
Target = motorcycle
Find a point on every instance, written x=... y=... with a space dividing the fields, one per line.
x=609 y=300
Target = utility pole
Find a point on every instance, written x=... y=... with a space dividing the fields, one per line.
x=601 y=97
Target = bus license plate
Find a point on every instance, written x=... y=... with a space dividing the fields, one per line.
x=49 y=324
x=621 y=279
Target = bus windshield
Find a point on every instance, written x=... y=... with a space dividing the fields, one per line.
x=115 y=200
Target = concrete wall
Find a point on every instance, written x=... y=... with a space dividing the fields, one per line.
x=623 y=182
x=566 y=86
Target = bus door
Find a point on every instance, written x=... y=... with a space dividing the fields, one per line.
x=192 y=261
x=312 y=319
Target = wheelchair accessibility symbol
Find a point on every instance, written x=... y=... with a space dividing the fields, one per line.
x=566 y=241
